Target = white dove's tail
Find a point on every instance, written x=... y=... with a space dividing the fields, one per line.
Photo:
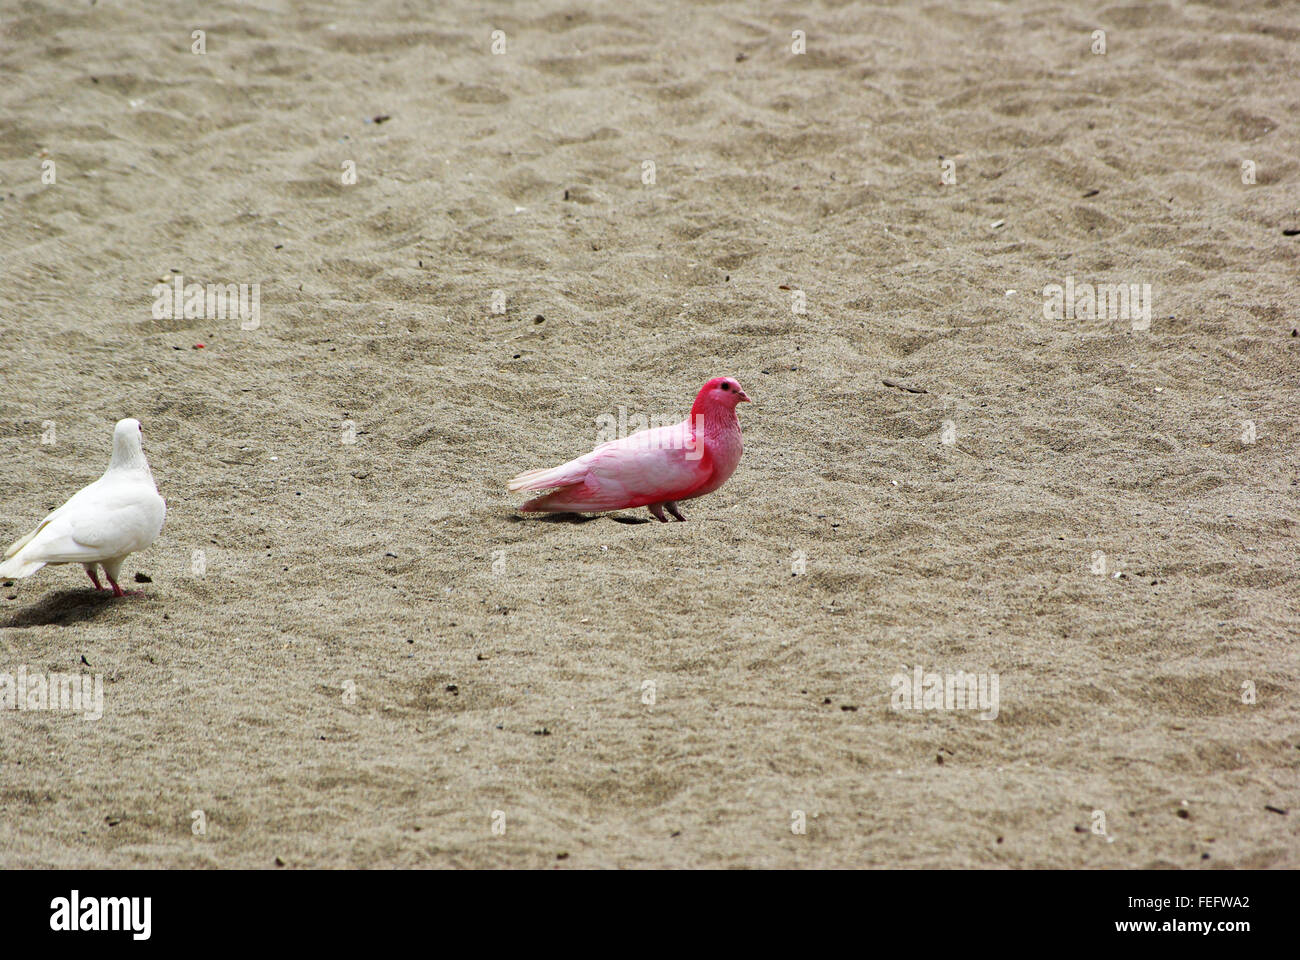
x=561 y=476
x=14 y=563
x=17 y=566
x=22 y=542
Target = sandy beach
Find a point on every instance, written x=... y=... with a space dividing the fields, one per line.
x=475 y=233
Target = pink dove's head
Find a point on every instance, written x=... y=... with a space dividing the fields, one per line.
x=720 y=393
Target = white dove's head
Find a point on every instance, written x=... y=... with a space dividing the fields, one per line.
x=128 y=449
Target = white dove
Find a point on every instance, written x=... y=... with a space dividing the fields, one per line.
x=117 y=515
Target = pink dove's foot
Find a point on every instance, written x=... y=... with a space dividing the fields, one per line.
x=658 y=510
x=672 y=508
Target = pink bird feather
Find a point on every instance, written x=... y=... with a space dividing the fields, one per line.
x=650 y=468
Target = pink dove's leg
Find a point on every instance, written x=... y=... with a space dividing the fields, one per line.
x=658 y=510
x=672 y=508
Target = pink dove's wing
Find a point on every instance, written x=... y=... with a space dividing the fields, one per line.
x=650 y=466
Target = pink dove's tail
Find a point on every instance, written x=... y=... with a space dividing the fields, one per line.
x=557 y=501
x=539 y=480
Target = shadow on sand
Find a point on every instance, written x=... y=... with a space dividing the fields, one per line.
x=575 y=518
x=63 y=608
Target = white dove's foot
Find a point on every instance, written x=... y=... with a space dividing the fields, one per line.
x=95 y=580
x=672 y=508
x=658 y=510
x=119 y=592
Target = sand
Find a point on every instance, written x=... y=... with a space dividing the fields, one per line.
x=356 y=654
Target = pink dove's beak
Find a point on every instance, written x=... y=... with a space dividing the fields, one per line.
x=744 y=397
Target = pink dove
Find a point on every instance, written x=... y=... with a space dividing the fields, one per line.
x=650 y=468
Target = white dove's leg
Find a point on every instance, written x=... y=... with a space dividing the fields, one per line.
x=111 y=569
x=658 y=510
x=672 y=508
x=90 y=569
